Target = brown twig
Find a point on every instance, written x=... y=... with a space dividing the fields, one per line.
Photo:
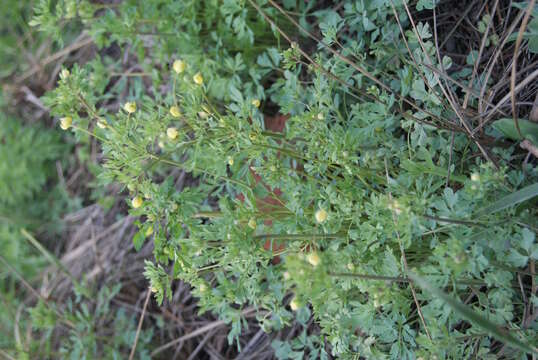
x=519 y=39
x=133 y=349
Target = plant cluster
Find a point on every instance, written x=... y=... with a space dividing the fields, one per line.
x=371 y=177
x=34 y=199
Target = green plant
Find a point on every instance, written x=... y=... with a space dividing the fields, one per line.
x=374 y=176
x=89 y=328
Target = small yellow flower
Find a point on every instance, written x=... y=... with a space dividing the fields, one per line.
x=294 y=304
x=64 y=74
x=154 y=289
x=203 y=287
x=102 y=123
x=475 y=177
x=130 y=107
x=179 y=66
x=172 y=133
x=174 y=111
x=321 y=116
x=198 y=79
x=350 y=266
x=65 y=122
x=256 y=103
x=321 y=215
x=313 y=259
x=230 y=161
x=252 y=224
x=137 y=202
x=203 y=114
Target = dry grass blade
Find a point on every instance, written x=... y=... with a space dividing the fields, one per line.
x=493 y=61
x=519 y=39
x=82 y=41
x=33 y=291
x=452 y=101
x=479 y=57
x=501 y=102
x=343 y=58
x=139 y=327
x=203 y=329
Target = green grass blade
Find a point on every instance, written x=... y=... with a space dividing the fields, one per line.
x=472 y=316
x=510 y=200
x=50 y=257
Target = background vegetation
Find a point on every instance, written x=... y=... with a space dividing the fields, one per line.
x=268 y=179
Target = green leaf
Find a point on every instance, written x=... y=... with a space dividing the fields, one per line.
x=528 y=129
x=138 y=240
x=517 y=259
x=466 y=312
x=510 y=200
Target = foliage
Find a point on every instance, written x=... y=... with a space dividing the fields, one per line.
x=95 y=330
x=370 y=179
x=32 y=198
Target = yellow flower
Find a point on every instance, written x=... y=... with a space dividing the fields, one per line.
x=203 y=287
x=252 y=224
x=102 y=123
x=230 y=161
x=321 y=116
x=350 y=266
x=130 y=107
x=313 y=259
x=64 y=74
x=65 y=122
x=172 y=133
x=198 y=79
x=137 y=202
x=174 y=111
x=475 y=177
x=294 y=304
x=321 y=215
x=256 y=103
x=179 y=66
